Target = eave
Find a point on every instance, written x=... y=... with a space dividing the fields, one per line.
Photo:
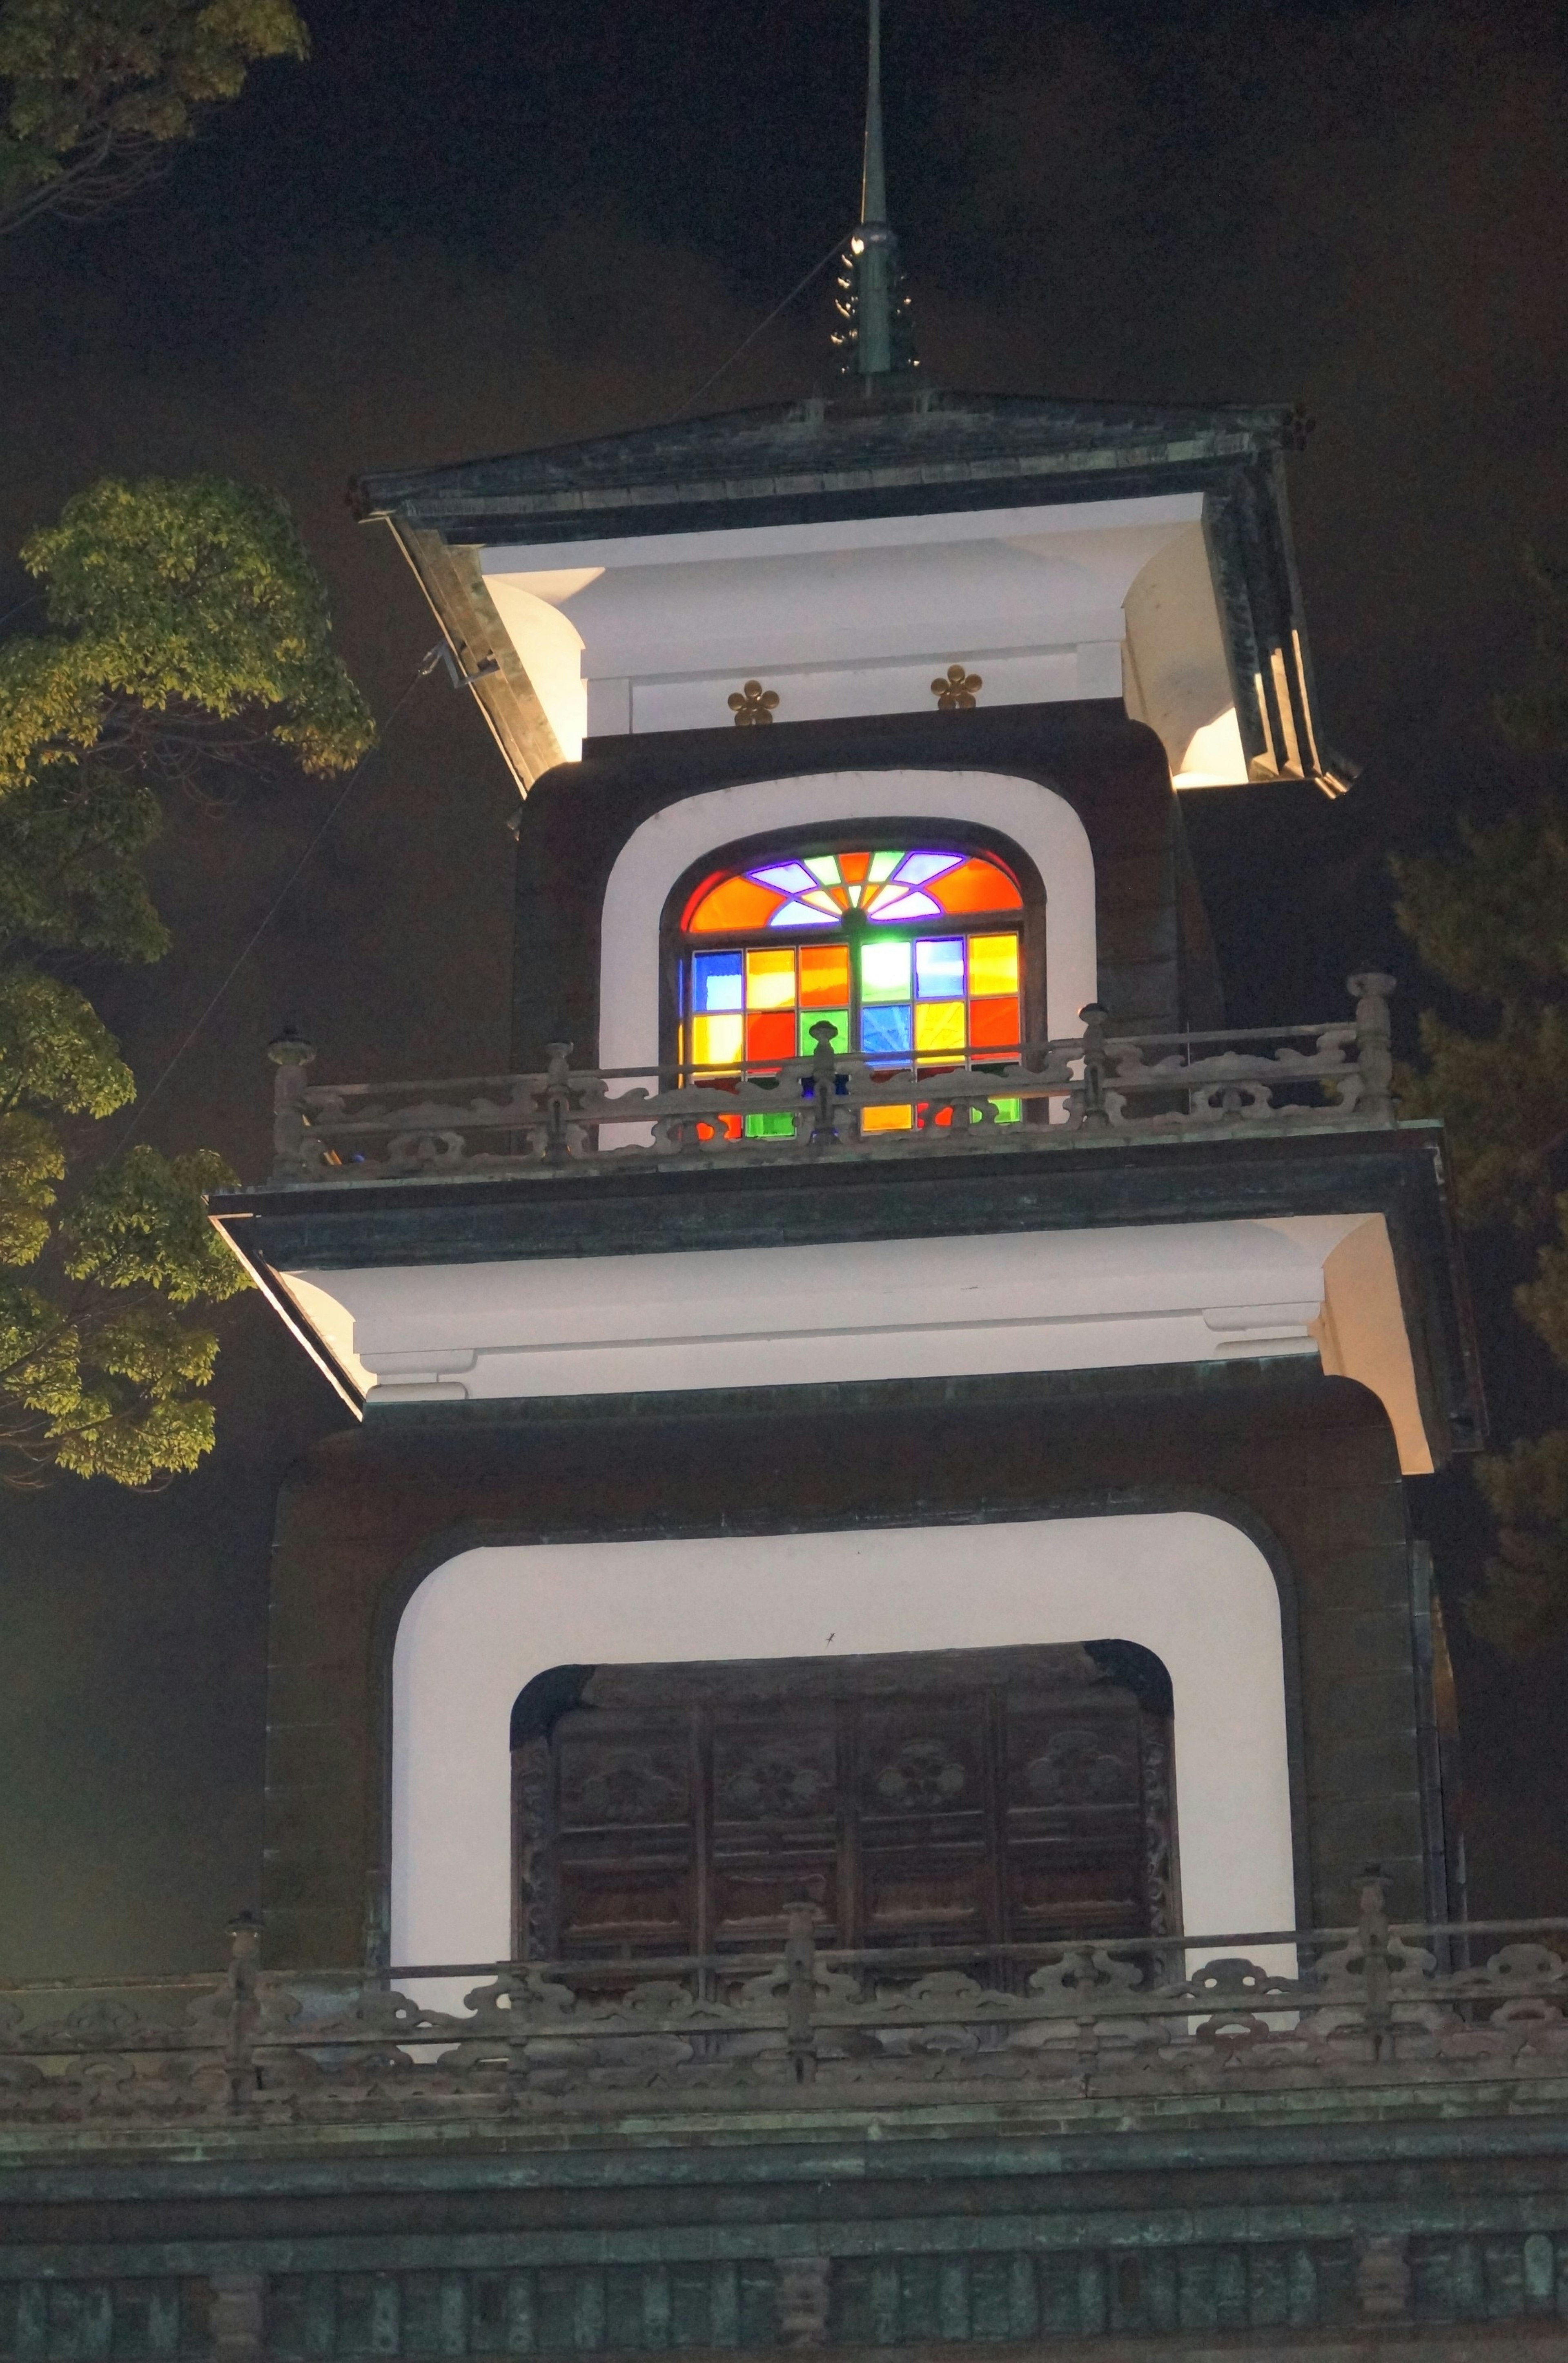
x=597 y=1211
x=904 y=455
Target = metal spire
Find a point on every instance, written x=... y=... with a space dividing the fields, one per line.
x=870 y=298
x=874 y=183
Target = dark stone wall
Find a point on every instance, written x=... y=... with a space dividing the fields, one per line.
x=1306 y=1465
x=1157 y=966
x=1336 y=2238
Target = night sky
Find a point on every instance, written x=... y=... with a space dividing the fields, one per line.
x=469 y=228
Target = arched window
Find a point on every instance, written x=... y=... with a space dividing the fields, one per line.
x=914 y=955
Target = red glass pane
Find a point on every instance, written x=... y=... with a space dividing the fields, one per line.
x=993 y=1025
x=976 y=886
x=736 y=903
x=770 y=1034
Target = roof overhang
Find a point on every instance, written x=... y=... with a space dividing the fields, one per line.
x=1072 y=548
x=602 y=1281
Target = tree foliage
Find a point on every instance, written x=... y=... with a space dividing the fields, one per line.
x=186 y=630
x=1492 y=921
x=95 y=95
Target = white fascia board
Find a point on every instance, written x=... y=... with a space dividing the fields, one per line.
x=887 y=1309
x=1167 y=509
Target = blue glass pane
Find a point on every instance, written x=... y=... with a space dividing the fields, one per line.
x=886 y=1031
x=793 y=877
x=939 y=967
x=916 y=868
x=715 y=982
x=905 y=906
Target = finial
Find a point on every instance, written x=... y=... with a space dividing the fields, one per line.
x=874 y=338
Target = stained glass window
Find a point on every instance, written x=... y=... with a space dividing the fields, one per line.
x=912 y=956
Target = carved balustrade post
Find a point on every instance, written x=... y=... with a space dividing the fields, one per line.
x=292 y=1056
x=557 y=1102
x=1373 y=1054
x=799 y=1989
x=824 y=1091
x=244 y=2008
x=1376 y=1967
x=1090 y=1094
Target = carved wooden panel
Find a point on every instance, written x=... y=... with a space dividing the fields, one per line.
x=975 y=1796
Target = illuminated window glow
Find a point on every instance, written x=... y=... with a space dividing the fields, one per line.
x=895 y=978
x=890 y=888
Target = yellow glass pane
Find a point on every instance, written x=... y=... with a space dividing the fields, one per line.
x=886 y=1119
x=993 y=964
x=771 y=979
x=716 y=1041
x=939 y=1026
x=825 y=976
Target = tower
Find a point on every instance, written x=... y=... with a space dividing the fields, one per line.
x=852 y=1748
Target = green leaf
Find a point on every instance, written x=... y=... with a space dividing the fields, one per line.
x=181 y=616
x=91 y=84
x=55 y=1050
x=142 y=1222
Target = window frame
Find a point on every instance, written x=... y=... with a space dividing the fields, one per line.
x=746 y=853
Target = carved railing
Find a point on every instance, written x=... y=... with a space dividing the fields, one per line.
x=1371 y=2005
x=1051 y=1094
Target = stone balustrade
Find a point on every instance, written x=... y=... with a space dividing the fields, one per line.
x=1092 y=1087
x=1342 y=2010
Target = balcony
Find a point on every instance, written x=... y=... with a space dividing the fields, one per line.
x=1367 y=2018
x=1095 y=1089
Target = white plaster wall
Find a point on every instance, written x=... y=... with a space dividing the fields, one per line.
x=1191 y=1588
x=840 y=616
x=1042 y=824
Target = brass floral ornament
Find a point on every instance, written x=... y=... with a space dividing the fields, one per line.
x=753 y=704
x=953 y=692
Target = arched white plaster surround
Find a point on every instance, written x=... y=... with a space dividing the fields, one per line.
x=1039 y=821
x=1192 y=1588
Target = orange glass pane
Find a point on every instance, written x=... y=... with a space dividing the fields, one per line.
x=737 y=903
x=993 y=1025
x=886 y=1119
x=825 y=976
x=993 y=964
x=770 y=1034
x=771 y=979
x=974 y=885
x=939 y=1026
x=723 y=1127
x=852 y=866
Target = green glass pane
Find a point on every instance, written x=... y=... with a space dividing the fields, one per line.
x=824 y=870
x=769 y=1127
x=883 y=866
x=885 y=970
x=837 y=1018
x=1009 y=1111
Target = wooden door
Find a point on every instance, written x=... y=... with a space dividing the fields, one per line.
x=968 y=1796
